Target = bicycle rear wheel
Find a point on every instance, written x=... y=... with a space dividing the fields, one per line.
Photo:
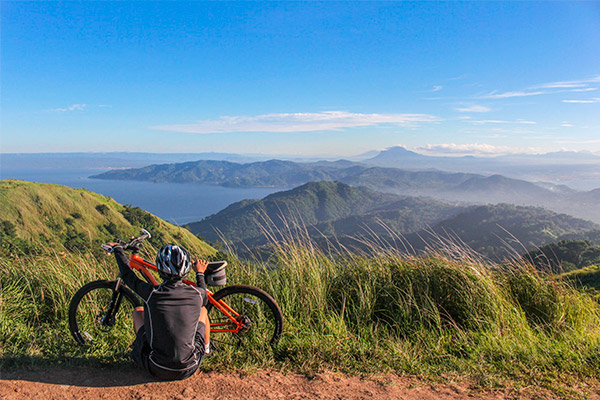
x=258 y=311
x=102 y=317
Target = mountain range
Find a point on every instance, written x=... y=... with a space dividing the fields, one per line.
x=333 y=212
x=445 y=186
x=326 y=208
x=396 y=156
x=392 y=156
x=556 y=166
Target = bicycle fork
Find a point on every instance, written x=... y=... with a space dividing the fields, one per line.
x=109 y=317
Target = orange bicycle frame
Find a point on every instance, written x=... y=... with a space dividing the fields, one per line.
x=138 y=263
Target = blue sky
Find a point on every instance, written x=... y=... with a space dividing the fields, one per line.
x=307 y=78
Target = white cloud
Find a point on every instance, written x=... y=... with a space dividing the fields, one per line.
x=436 y=88
x=594 y=100
x=468 y=149
x=590 y=89
x=494 y=121
x=459 y=77
x=569 y=84
x=561 y=85
x=297 y=122
x=74 y=107
x=474 y=108
x=506 y=95
x=582 y=85
x=567 y=125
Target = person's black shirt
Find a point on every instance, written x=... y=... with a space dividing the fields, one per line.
x=171 y=317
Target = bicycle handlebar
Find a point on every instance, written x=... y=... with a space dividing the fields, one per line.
x=133 y=244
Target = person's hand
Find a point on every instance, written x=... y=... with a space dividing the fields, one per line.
x=200 y=266
x=109 y=247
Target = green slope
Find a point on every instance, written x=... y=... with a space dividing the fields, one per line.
x=564 y=256
x=493 y=230
x=404 y=216
x=325 y=208
x=587 y=277
x=37 y=218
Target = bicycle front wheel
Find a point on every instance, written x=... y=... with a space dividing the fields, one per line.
x=101 y=316
x=255 y=309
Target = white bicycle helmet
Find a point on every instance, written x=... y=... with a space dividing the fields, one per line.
x=173 y=262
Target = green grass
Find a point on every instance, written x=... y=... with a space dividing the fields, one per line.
x=588 y=277
x=435 y=316
x=41 y=218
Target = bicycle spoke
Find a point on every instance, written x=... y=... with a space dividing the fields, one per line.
x=255 y=316
x=100 y=326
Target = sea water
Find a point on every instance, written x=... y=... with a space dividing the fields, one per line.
x=178 y=203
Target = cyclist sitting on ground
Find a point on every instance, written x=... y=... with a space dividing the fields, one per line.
x=172 y=329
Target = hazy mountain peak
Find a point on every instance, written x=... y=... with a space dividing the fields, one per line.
x=397 y=151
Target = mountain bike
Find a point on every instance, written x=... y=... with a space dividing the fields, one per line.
x=100 y=313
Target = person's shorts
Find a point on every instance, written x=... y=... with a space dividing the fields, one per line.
x=141 y=356
x=141 y=349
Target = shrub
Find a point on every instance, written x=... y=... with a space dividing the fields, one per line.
x=138 y=217
x=112 y=229
x=76 y=241
x=102 y=209
x=7 y=229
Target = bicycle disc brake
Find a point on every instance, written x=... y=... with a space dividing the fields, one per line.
x=105 y=322
x=246 y=323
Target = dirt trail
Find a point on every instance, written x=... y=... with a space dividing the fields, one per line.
x=90 y=383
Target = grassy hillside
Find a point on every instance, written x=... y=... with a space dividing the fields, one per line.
x=434 y=316
x=38 y=218
x=404 y=216
x=564 y=256
x=588 y=277
x=592 y=236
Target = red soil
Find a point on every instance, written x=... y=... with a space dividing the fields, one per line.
x=90 y=383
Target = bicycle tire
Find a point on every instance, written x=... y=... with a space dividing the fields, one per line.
x=265 y=316
x=86 y=314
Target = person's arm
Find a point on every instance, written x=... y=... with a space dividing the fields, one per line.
x=199 y=268
x=144 y=289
